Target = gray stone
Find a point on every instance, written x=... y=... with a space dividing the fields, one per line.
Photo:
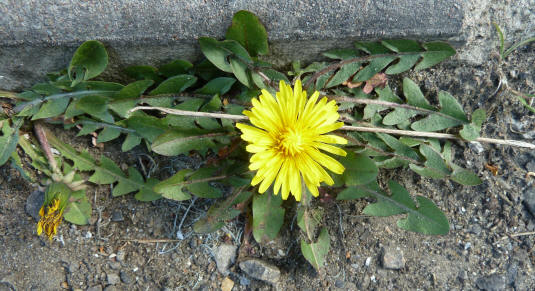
x=113 y=278
x=126 y=278
x=225 y=256
x=529 y=199
x=393 y=258
x=94 y=288
x=492 y=282
x=111 y=288
x=114 y=265
x=261 y=270
x=34 y=202
x=476 y=147
x=121 y=255
x=153 y=31
x=117 y=216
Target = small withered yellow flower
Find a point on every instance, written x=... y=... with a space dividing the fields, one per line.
x=50 y=220
x=287 y=140
x=51 y=213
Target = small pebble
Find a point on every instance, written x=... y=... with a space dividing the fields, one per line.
x=393 y=258
x=225 y=256
x=34 y=202
x=117 y=216
x=476 y=147
x=112 y=278
x=120 y=256
x=126 y=278
x=261 y=270
x=494 y=282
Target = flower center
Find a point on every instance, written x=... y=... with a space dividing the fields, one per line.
x=291 y=142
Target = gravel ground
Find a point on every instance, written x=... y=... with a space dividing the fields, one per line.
x=150 y=246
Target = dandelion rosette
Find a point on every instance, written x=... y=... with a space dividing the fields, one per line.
x=288 y=140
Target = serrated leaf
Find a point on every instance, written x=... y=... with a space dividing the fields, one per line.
x=96 y=106
x=434 y=159
x=247 y=29
x=315 y=253
x=146 y=126
x=371 y=47
x=107 y=172
x=435 y=53
x=107 y=134
x=88 y=61
x=343 y=74
x=82 y=161
x=465 y=177
x=359 y=169
x=219 y=86
x=425 y=218
x=172 y=188
x=146 y=193
x=399 y=148
x=202 y=189
x=172 y=143
x=373 y=67
x=340 y=54
x=52 y=108
x=471 y=131
x=404 y=63
x=130 y=142
x=450 y=107
x=176 y=67
x=126 y=98
x=127 y=185
x=174 y=85
x=218 y=213
x=390 y=162
x=268 y=216
x=402 y=45
x=414 y=95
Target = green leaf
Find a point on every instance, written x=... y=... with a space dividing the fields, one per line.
x=426 y=218
x=373 y=67
x=402 y=45
x=96 y=106
x=450 y=107
x=414 y=95
x=202 y=189
x=249 y=32
x=341 y=54
x=130 y=142
x=436 y=53
x=309 y=219
x=128 y=185
x=146 y=193
x=127 y=98
x=240 y=70
x=172 y=188
x=343 y=74
x=219 y=86
x=52 y=108
x=175 y=85
x=399 y=148
x=143 y=73
x=359 y=169
x=8 y=139
x=372 y=48
x=89 y=60
x=217 y=52
x=268 y=216
x=471 y=131
x=107 y=134
x=218 y=213
x=435 y=167
x=78 y=209
x=146 y=126
x=107 y=172
x=465 y=177
x=404 y=63
x=315 y=253
x=173 y=143
x=177 y=67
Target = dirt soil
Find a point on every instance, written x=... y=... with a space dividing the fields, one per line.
x=129 y=246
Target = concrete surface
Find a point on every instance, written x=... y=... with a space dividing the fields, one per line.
x=38 y=36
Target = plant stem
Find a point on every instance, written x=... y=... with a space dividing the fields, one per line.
x=346 y=127
x=41 y=136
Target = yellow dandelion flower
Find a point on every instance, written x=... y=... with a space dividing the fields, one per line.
x=287 y=140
